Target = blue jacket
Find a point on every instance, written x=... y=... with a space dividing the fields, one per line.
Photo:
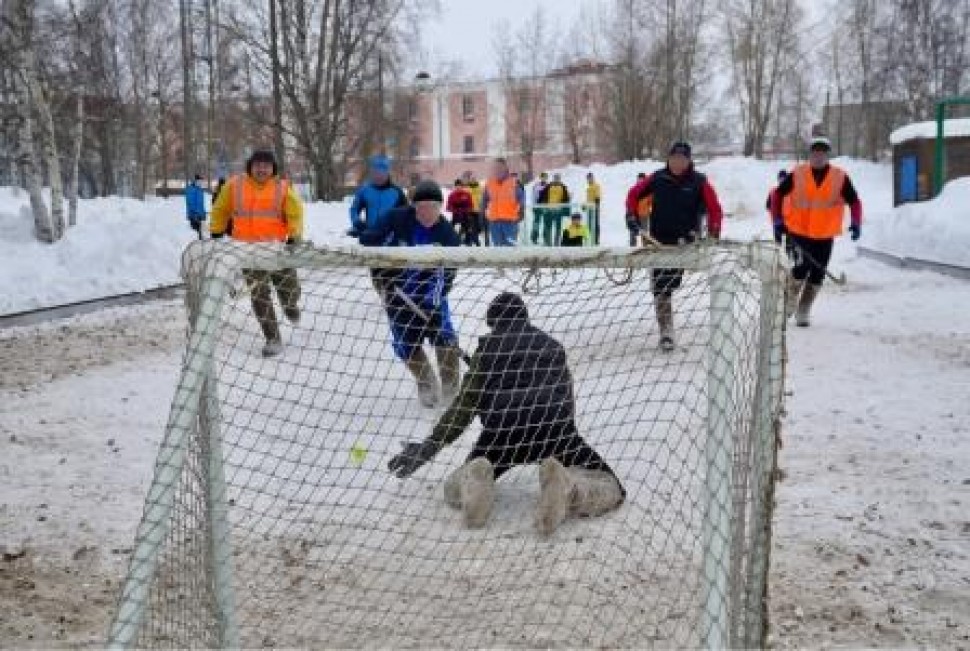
x=428 y=287
x=377 y=201
x=194 y=202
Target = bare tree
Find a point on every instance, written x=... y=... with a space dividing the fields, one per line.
x=18 y=38
x=326 y=48
x=927 y=50
x=525 y=57
x=762 y=40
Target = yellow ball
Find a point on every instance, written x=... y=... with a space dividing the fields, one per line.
x=358 y=453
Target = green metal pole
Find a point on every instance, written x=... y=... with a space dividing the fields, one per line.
x=938 y=153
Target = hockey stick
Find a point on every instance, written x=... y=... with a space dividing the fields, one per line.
x=422 y=314
x=838 y=280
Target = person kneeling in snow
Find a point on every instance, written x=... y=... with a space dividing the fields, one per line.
x=416 y=299
x=520 y=387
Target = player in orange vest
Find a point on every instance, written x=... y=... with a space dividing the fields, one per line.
x=503 y=203
x=259 y=206
x=818 y=193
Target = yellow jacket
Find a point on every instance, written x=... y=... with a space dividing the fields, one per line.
x=475 y=189
x=593 y=192
x=223 y=208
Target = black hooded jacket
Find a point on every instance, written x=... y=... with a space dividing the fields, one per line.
x=518 y=380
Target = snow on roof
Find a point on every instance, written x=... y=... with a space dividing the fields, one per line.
x=956 y=128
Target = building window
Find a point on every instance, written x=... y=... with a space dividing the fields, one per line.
x=415 y=148
x=468 y=108
x=412 y=109
x=469 y=147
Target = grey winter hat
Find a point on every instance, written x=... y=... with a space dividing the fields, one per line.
x=427 y=191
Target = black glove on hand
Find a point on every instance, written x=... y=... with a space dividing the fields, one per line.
x=856 y=231
x=780 y=231
x=412 y=457
x=195 y=225
x=632 y=223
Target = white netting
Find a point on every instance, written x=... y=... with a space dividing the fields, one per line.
x=273 y=520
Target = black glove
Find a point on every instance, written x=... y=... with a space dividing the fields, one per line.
x=632 y=223
x=856 y=231
x=412 y=457
x=195 y=225
x=292 y=243
x=780 y=231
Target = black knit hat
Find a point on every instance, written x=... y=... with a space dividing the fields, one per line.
x=262 y=156
x=505 y=309
x=680 y=147
x=427 y=191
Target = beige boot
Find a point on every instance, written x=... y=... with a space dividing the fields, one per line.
x=594 y=492
x=449 y=370
x=424 y=375
x=793 y=291
x=554 y=498
x=803 y=316
x=665 y=319
x=476 y=492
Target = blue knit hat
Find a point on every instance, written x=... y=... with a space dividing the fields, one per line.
x=380 y=163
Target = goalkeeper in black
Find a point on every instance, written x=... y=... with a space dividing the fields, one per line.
x=520 y=387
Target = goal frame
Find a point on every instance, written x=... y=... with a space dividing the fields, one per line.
x=210 y=267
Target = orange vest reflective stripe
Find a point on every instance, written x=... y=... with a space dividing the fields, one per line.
x=502 y=205
x=257 y=210
x=816 y=211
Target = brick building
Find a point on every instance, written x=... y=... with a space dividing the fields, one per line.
x=441 y=130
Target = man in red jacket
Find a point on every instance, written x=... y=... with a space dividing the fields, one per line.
x=461 y=205
x=681 y=195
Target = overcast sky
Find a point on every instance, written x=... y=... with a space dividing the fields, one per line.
x=465 y=29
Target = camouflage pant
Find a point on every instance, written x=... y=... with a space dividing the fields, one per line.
x=260 y=285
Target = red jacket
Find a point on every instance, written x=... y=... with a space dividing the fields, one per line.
x=668 y=221
x=460 y=202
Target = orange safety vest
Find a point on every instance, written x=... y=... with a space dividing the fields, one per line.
x=816 y=211
x=502 y=204
x=257 y=210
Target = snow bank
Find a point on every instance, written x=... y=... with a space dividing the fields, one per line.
x=123 y=245
x=937 y=230
x=955 y=128
x=119 y=245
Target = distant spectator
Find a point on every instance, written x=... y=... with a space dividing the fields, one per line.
x=463 y=218
x=195 y=204
x=576 y=233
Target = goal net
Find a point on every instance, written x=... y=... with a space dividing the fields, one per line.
x=274 y=521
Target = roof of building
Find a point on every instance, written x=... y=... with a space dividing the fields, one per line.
x=955 y=128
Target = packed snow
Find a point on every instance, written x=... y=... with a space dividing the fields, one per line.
x=952 y=128
x=871 y=537
x=937 y=230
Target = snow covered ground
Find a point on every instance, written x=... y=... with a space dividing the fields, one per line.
x=872 y=527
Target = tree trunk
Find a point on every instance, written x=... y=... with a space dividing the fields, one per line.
x=43 y=229
x=51 y=158
x=278 y=145
x=74 y=170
